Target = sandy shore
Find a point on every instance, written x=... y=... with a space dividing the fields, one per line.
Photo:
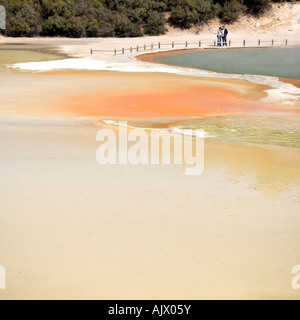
x=70 y=228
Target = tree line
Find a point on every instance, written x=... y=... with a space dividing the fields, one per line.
x=118 y=18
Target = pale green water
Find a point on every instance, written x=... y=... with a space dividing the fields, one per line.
x=279 y=62
x=11 y=54
x=280 y=129
x=263 y=129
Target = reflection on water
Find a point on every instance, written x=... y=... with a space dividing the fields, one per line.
x=278 y=62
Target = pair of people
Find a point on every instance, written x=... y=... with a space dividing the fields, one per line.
x=222 y=36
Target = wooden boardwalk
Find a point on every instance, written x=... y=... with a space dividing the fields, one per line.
x=160 y=46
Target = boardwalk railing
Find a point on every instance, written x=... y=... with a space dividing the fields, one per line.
x=189 y=45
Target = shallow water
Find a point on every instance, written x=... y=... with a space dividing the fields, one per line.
x=127 y=227
x=10 y=55
x=278 y=62
x=85 y=91
x=273 y=129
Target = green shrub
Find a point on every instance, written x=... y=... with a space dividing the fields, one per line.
x=123 y=27
x=54 y=26
x=155 y=24
x=257 y=7
x=22 y=19
x=191 y=12
x=75 y=27
x=104 y=19
x=92 y=28
x=231 y=11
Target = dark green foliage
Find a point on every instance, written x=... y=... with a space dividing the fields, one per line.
x=231 y=11
x=23 y=18
x=190 y=12
x=155 y=24
x=257 y=7
x=118 y=18
x=123 y=27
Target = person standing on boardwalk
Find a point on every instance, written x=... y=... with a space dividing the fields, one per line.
x=220 y=35
x=224 y=36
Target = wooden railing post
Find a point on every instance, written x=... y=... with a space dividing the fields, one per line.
x=200 y=44
x=186 y=44
x=173 y=45
x=91 y=52
x=115 y=52
x=259 y=42
x=137 y=48
x=286 y=41
x=152 y=46
x=272 y=42
x=159 y=45
x=244 y=43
